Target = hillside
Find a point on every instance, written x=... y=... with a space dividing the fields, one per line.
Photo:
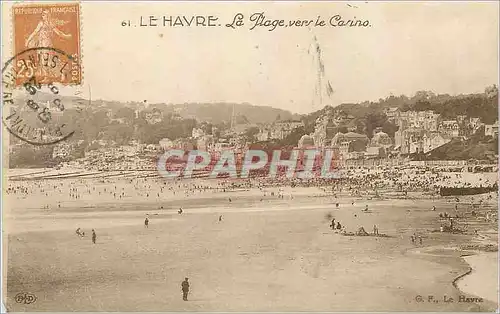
x=216 y=113
x=366 y=116
x=477 y=147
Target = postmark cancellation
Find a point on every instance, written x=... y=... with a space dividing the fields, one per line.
x=46 y=64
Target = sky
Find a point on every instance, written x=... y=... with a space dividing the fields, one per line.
x=444 y=47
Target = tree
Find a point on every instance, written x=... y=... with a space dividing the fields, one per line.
x=374 y=120
x=294 y=137
x=422 y=105
x=126 y=113
x=389 y=128
x=250 y=133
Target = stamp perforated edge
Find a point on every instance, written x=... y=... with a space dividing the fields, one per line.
x=79 y=27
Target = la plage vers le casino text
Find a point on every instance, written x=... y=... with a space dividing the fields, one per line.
x=254 y=21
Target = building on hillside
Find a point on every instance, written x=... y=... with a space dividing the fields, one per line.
x=306 y=141
x=381 y=139
x=221 y=145
x=196 y=133
x=350 y=144
x=166 y=143
x=320 y=131
x=449 y=128
x=414 y=140
x=239 y=129
x=409 y=141
x=278 y=130
x=461 y=119
x=237 y=141
x=153 y=116
x=205 y=143
x=184 y=144
x=375 y=152
x=341 y=117
x=263 y=135
x=392 y=114
x=427 y=120
x=475 y=123
x=433 y=140
x=349 y=137
x=491 y=129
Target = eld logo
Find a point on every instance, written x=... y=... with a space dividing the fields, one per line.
x=26 y=298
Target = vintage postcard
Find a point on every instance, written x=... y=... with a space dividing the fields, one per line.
x=250 y=156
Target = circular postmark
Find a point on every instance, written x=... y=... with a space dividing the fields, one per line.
x=42 y=95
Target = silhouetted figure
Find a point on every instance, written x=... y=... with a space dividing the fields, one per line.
x=179 y=211
x=146 y=222
x=220 y=218
x=185 y=289
x=94 y=236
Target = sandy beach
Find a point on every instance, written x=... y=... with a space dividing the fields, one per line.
x=278 y=252
x=484 y=265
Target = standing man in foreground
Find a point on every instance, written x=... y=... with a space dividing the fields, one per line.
x=185 y=289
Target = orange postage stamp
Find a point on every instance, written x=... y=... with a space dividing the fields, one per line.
x=46 y=31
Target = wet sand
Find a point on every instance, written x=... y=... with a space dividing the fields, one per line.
x=483 y=279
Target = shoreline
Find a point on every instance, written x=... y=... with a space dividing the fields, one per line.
x=473 y=281
x=253 y=221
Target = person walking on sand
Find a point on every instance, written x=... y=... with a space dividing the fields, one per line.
x=420 y=239
x=94 y=236
x=220 y=218
x=146 y=222
x=185 y=289
x=412 y=237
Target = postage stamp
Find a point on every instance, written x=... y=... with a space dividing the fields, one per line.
x=54 y=26
x=34 y=112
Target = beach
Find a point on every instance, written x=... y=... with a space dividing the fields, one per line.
x=484 y=265
x=278 y=252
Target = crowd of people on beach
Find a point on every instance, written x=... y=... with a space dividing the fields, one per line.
x=358 y=185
